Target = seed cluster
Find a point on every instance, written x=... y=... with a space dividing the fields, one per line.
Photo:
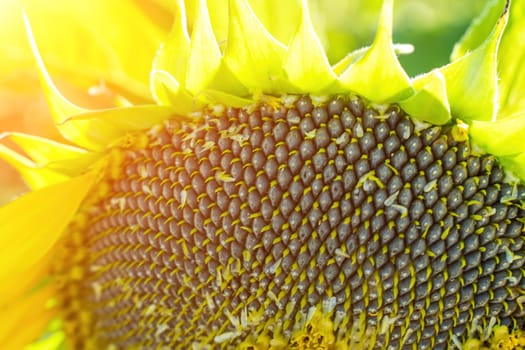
x=233 y=228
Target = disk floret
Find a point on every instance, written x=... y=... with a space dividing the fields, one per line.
x=231 y=228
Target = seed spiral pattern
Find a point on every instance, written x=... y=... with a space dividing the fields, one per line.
x=231 y=229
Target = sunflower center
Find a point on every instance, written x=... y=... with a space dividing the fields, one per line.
x=299 y=225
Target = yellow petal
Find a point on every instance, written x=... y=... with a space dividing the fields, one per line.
x=19 y=286
x=306 y=63
x=61 y=108
x=87 y=42
x=280 y=18
x=350 y=58
x=74 y=166
x=429 y=103
x=173 y=56
x=511 y=56
x=354 y=56
x=514 y=165
x=15 y=294
x=378 y=75
x=501 y=137
x=225 y=81
x=102 y=128
x=252 y=54
x=167 y=91
x=224 y=98
x=219 y=20
x=170 y=66
x=42 y=150
x=479 y=29
x=52 y=155
x=35 y=176
x=205 y=56
x=52 y=341
x=472 y=81
x=30 y=225
x=93 y=129
x=24 y=319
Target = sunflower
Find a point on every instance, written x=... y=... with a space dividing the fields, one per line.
x=268 y=198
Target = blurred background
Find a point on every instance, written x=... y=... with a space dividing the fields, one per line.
x=431 y=26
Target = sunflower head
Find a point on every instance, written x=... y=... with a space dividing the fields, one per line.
x=267 y=198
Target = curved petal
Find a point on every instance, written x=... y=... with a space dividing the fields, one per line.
x=99 y=129
x=32 y=224
x=205 y=56
x=479 y=29
x=53 y=341
x=511 y=66
x=99 y=36
x=306 y=63
x=378 y=75
x=173 y=55
x=36 y=177
x=61 y=108
x=27 y=280
x=514 y=164
x=429 y=103
x=25 y=319
x=42 y=150
x=94 y=129
x=280 y=18
x=253 y=55
x=354 y=56
x=501 y=137
x=168 y=92
x=472 y=81
x=47 y=156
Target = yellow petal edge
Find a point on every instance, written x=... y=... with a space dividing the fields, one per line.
x=192 y=70
x=29 y=229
